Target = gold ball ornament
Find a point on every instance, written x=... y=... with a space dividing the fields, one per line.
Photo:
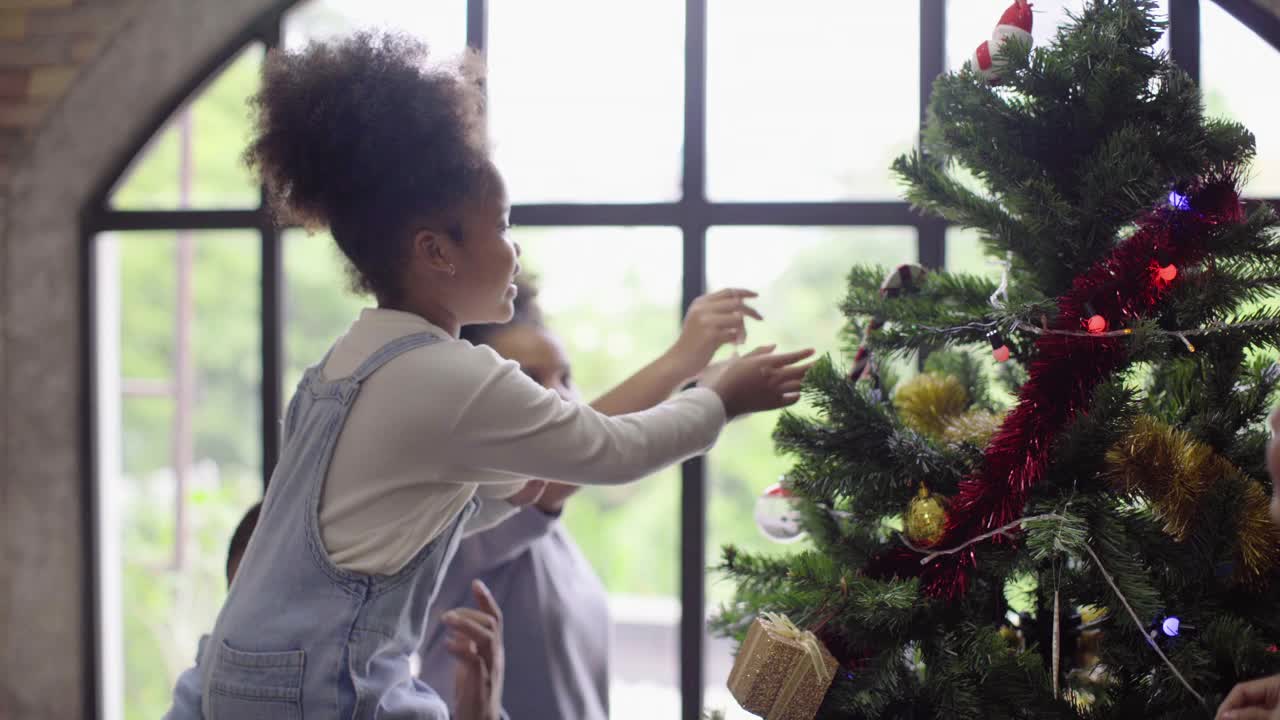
x=926 y=517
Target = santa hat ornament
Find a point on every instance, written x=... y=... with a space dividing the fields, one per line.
x=1014 y=23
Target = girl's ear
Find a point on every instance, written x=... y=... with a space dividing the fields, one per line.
x=435 y=250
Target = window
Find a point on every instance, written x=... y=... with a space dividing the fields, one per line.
x=1232 y=60
x=181 y=459
x=809 y=100
x=653 y=152
x=193 y=162
x=587 y=116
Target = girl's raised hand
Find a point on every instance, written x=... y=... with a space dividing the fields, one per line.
x=713 y=320
x=761 y=380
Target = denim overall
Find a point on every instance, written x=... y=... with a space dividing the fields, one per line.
x=298 y=637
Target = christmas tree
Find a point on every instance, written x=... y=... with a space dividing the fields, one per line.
x=1063 y=514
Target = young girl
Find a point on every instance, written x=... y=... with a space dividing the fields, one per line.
x=557 y=623
x=392 y=441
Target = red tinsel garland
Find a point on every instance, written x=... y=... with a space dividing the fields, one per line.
x=1123 y=287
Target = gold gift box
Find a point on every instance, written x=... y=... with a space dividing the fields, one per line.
x=781 y=672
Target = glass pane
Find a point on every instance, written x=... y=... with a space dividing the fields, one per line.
x=613 y=321
x=966 y=254
x=1231 y=91
x=442 y=23
x=179 y=441
x=589 y=107
x=318 y=306
x=194 y=161
x=970 y=22
x=801 y=276
x=809 y=100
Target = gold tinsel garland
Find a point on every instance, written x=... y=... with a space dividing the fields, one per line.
x=1166 y=465
x=928 y=402
x=1174 y=471
x=974 y=427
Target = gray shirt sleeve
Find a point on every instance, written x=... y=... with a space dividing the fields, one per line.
x=498 y=545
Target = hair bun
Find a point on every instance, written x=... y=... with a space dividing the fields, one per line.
x=338 y=122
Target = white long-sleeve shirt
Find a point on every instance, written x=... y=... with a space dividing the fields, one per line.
x=437 y=424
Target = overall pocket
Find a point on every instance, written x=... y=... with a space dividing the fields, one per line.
x=255 y=685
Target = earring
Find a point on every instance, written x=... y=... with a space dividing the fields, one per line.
x=452 y=270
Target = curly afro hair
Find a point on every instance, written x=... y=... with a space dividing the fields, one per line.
x=527 y=312
x=362 y=136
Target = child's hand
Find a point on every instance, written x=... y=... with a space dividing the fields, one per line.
x=761 y=380
x=476 y=642
x=1254 y=700
x=713 y=320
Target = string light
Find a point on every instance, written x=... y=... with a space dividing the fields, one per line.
x=999 y=350
x=1165 y=270
x=1178 y=201
x=930 y=555
x=1106 y=575
x=989 y=326
x=1093 y=322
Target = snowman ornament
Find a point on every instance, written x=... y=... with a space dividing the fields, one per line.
x=776 y=516
x=1014 y=23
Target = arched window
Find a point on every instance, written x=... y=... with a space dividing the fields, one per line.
x=654 y=150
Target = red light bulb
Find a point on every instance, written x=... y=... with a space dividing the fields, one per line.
x=1093 y=322
x=999 y=350
x=1164 y=268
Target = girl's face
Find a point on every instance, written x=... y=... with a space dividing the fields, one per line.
x=467 y=273
x=1273 y=464
x=485 y=262
x=540 y=356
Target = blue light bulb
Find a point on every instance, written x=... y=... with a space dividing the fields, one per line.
x=1178 y=201
x=1171 y=626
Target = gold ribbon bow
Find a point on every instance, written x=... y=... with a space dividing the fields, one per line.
x=782 y=626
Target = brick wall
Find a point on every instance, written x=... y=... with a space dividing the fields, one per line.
x=43 y=44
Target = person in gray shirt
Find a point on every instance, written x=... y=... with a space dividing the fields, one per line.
x=557 y=627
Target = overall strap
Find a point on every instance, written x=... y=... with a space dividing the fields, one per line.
x=390 y=351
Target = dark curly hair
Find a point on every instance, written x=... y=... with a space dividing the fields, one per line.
x=527 y=312
x=362 y=136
